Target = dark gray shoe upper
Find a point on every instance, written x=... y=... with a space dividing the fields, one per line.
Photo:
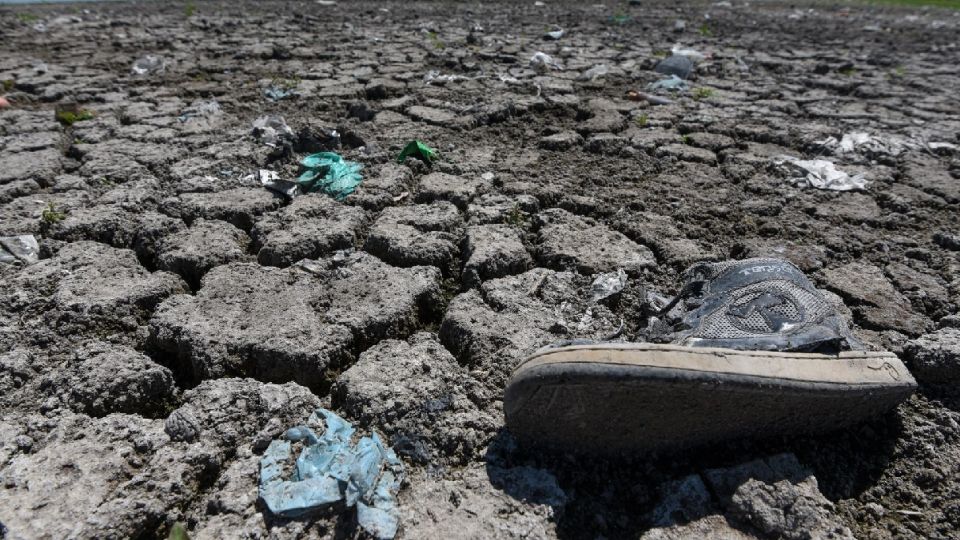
x=759 y=304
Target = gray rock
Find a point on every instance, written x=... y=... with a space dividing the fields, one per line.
x=492 y=329
x=682 y=501
x=290 y=324
x=567 y=241
x=685 y=152
x=87 y=289
x=935 y=357
x=606 y=143
x=446 y=187
x=492 y=208
x=561 y=141
x=665 y=239
x=313 y=226
x=102 y=379
x=420 y=234
x=192 y=252
x=874 y=298
x=431 y=115
x=383 y=187
x=467 y=504
x=493 y=251
x=416 y=393
x=779 y=497
x=239 y=206
x=715 y=527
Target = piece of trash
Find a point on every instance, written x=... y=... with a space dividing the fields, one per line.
x=276 y=93
x=200 y=109
x=326 y=3
x=148 y=65
x=554 y=34
x=23 y=249
x=271 y=130
x=272 y=181
x=672 y=83
x=538 y=3
x=634 y=95
x=676 y=65
x=861 y=142
x=692 y=54
x=435 y=77
x=328 y=172
x=4 y=103
x=419 y=150
x=332 y=470
x=313 y=139
x=679 y=25
x=822 y=174
x=401 y=196
x=607 y=285
x=935 y=146
x=595 y=72
x=542 y=61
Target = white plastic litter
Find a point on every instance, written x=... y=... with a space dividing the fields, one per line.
x=22 y=249
x=271 y=180
x=542 y=61
x=554 y=34
x=271 y=130
x=606 y=285
x=821 y=174
x=692 y=54
x=861 y=142
x=594 y=73
x=148 y=65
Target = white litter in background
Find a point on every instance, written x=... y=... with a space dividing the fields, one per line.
x=822 y=174
x=861 y=142
x=555 y=34
x=692 y=54
x=542 y=61
x=606 y=285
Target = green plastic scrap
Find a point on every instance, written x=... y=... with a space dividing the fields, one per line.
x=419 y=150
x=329 y=173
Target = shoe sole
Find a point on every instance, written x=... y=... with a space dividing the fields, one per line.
x=614 y=398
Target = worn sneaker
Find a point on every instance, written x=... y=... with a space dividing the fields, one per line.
x=759 y=352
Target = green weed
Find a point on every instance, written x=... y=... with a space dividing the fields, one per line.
x=642 y=120
x=68 y=118
x=27 y=17
x=702 y=93
x=51 y=215
x=705 y=30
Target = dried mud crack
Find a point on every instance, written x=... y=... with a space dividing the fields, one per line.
x=181 y=316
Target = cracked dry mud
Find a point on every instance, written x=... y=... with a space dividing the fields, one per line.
x=182 y=316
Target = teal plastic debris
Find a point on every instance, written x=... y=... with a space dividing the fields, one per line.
x=419 y=150
x=332 y=471
x=329 y=173
x=671 y=83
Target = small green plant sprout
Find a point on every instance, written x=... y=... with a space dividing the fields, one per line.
x=642 y=120
x=68 y=115
x=702 y=92
x=51 y=215
x=436 y=41
x=705 y=30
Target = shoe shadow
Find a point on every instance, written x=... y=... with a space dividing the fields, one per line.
x=616 y=497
